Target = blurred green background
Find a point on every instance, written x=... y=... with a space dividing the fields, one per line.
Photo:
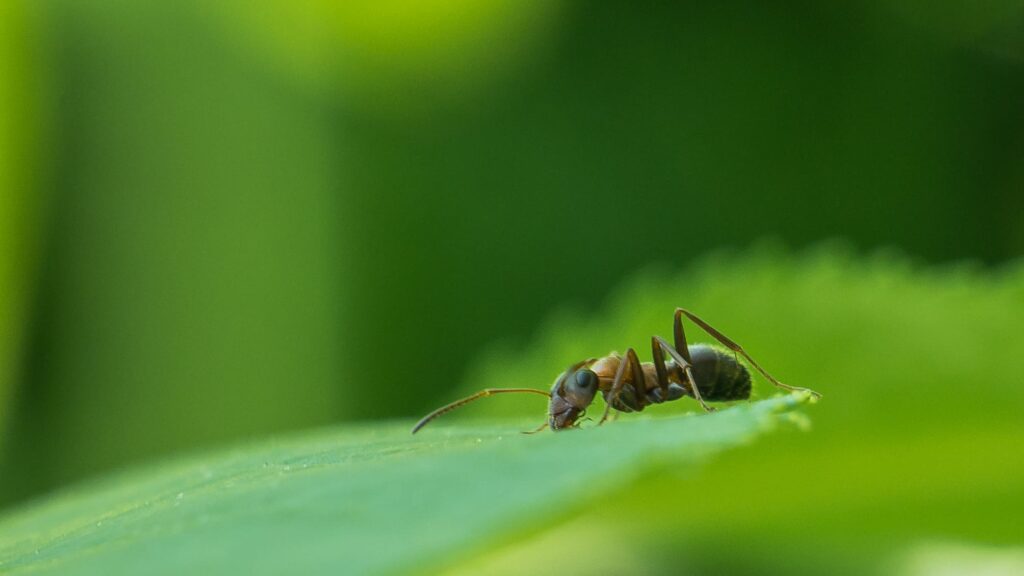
x=220 y=220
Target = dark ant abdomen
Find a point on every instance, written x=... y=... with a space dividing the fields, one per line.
x=718 y=374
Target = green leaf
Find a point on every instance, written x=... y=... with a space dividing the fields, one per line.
x=914 y=443
x=358 y=500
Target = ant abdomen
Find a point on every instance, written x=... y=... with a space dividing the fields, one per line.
x=718 y=374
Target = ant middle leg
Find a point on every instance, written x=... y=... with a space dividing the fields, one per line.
x=660 y=344
x=728 y=343
x=661 y=371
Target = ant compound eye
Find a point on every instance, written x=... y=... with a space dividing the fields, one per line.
x=585 y=379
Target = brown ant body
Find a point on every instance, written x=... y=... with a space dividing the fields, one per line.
x=628 y=385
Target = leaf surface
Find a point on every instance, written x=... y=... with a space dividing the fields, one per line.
x=370 y=499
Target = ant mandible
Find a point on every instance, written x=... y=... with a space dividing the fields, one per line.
x=628 y=385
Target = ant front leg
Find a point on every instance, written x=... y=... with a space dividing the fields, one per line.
x=659 y=364
x=728 y=343
x=620 y=381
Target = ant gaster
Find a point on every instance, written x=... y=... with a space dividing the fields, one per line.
x=628 y=385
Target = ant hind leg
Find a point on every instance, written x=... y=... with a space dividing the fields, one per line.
x=728 y=343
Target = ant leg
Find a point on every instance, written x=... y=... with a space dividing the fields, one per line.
x=728 y=343
x=680 y=337
x=659 y=366
x=685 y=365
x=639 y=381
x=616 y=386
x=620 y=380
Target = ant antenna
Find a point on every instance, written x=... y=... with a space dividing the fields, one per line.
x=481 y=394
x=535 y=430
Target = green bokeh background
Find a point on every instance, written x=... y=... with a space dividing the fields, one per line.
x=220 y=221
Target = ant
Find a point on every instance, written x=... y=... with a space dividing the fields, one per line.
x=699 y=371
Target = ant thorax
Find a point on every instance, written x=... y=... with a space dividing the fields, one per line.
x=608 y=366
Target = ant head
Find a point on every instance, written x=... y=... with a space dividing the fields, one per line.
x=570 y=395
